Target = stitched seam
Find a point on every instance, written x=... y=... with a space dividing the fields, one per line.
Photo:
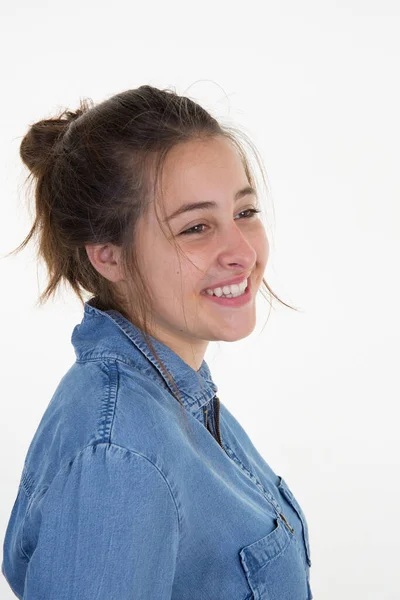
x=71 y=461
x=109 y=402
x=246 y=470
x=152 y=374
x=299 y=511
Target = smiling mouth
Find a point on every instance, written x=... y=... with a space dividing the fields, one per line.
x=227 y=300
x=232 y=290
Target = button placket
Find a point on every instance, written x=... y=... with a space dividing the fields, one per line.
x=292 y=500
x=271 y=499
x=209 y=422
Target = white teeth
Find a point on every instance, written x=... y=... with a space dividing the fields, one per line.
x=228 y=290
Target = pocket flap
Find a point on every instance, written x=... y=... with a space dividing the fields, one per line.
x=255 y=555
x=274 y=568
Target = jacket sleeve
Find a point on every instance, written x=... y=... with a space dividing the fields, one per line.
x=108 y=531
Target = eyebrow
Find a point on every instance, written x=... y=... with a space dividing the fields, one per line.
x=208 y=204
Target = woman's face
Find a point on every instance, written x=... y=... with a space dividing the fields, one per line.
x=227 y=242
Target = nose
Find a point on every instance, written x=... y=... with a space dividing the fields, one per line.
x=236 y=249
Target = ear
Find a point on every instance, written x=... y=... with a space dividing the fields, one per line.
x=106 y=259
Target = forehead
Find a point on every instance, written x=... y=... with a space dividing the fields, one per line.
x=202 y=170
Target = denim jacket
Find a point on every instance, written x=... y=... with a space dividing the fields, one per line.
x=125 y=495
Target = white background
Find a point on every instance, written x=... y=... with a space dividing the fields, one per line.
x=316 y=86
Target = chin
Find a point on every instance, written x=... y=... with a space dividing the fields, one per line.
x=236 y=334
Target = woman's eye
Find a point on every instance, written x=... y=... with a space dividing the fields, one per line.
x=250 y=212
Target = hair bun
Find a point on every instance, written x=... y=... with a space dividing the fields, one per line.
x=38 y=146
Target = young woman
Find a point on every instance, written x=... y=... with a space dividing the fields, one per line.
x=139 y=482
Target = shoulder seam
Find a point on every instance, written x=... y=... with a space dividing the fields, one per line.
x=109 y=401
x=68 y=463
x=129 y=451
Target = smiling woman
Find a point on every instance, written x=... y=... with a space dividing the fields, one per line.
x=149 y=205
x=230 y=248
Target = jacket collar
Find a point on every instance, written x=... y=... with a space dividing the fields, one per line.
x=108 y=334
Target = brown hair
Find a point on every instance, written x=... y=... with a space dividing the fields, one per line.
x=93 y=170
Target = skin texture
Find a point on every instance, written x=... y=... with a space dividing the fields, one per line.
x=228 y=244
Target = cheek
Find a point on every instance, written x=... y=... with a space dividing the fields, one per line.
x=157 y=260
x=179 y=276
x=266 y=247
x=261 y=246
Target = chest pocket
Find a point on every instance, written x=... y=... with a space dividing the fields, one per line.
x=286 y=492
x=274 y=568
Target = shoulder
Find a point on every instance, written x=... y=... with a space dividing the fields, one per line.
x=103 y=483
x=107 y=466
x=102 y=406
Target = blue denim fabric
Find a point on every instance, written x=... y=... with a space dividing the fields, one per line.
x=121 y=498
